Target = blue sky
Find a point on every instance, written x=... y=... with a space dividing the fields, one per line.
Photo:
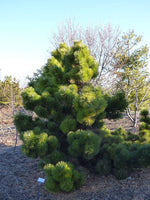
x=26 y=27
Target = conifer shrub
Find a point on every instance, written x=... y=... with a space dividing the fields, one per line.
x=121 y=173
x=53 y=158
x=69 y=128
x=30 y=144
x=84 y=144
x=132 y=137
x=68 y=124
x=120 y=155
x=134 y=156
x=116 y=104
x=144 y=155
x=104 y=167
x=143 y=126
x=145 y=119
x=144 y=113
x=23 y=122
x=63 y=177
x=144 y=129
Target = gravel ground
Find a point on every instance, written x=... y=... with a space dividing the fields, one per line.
x=19 y=174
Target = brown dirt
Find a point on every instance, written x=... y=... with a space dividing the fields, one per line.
x=19 y=174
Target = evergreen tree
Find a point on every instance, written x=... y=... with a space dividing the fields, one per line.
x=68 y=131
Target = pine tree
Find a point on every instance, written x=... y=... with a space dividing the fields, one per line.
x=68 y=127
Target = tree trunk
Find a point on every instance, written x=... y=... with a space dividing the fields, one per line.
x=136 y=108
x=135 y=118
x=128 y=112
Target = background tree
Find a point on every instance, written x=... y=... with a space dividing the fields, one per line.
x=10 y=91
x=132 y=74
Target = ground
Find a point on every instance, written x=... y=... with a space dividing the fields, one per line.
x=19 y=174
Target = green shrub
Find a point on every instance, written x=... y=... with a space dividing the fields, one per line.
x=122 y=157
x=53 y=158
x=56 y=156
x=144 y=113
x=89 y=105
x=104 y=166
x=30 y=144
x=132 y=137
x=84 y=143
x=53 y=143
x=134 y=156
x=23 y=122
x=121 y=173
x=53 y=127
x=144 y=116
x=30 y=98
x=143 y=126
x=144 y=155
x=120 y=132
x=62 y=177
x=42 y=146
x=116 y=105
x=41 y=111
x=68 y=124
x=144 y=136
x=109 y=138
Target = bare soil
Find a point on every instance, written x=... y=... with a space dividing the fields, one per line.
x=19 y=174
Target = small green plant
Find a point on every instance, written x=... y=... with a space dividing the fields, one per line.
x=84 y=144
x=144 y=129
x=104 y=166
x=63 y=177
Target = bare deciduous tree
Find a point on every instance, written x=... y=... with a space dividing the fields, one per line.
x=101 y=40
